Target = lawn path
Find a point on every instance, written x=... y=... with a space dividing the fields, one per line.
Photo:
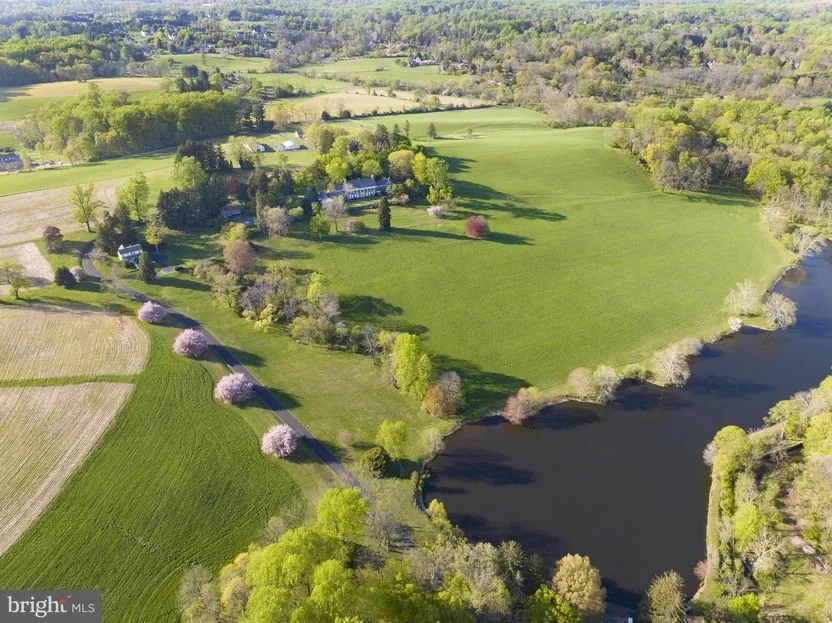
x=320 y=450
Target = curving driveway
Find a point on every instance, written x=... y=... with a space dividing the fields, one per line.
x=264 y=394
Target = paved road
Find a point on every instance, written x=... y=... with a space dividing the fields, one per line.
x=264 y=394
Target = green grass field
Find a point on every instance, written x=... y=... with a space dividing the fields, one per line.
x=587 y=263
x=89 y=172
x=17 y=102
x=368 y=69
x=177 y=480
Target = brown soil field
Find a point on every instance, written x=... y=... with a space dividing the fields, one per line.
x=46 y=342
x=35 y=267
x=45 y=433
x=23 y=216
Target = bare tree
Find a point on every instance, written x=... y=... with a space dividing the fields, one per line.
x=277 y=222
x=581 y=382
x=806 y=242
x=670 y=365
x=607 y=381
x=781 y=310
x=742 y=300
x=333 y=209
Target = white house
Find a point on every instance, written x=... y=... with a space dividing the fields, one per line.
x=129 y=254
x=361 y=188
x=288 y=146
x=256 y=147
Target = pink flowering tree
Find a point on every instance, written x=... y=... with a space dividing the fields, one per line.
x=152 y=312
x=190 y=343
x=233 y=388
x=78 y=273
x=279 y=441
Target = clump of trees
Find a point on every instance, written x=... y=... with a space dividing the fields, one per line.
x=98 y=124
x=780 y=310
x=444 y=398
x=339 y=567
x=670 y=365
x=279 y=441
x=233 y=388
x=64 y=277
x=190 y=343
x=152 y=312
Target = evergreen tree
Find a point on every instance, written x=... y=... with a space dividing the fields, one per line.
x=383 y=214
x=147 y=272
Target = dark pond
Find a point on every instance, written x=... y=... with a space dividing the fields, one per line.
x=625 y=483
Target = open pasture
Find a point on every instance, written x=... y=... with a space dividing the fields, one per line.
x=45 y=434
x=35 y=267
x=386 y=70
x=17 y=102
x=587 y=263
x=48 y=342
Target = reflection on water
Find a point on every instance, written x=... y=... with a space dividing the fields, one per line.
x=625 y=482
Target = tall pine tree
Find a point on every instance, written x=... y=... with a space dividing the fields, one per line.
x=383 y=214
x=147 y=272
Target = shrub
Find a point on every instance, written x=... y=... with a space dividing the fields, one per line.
x=296 y=214
x=152 y=312
x=476 y=227
x=436 y=211
x=376 y=461
x=319 y=226
x=233 y=388
x=64 y=277
x=190 y=343
x=353 y=226
x=78 y=273
x=279 y=441
x=521 y=406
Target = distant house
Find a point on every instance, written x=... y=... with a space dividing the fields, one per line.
x=231 y=213
x=288 y=146
x=129 y=254
x=361 y=188
x=10 y=162
x=256 y=147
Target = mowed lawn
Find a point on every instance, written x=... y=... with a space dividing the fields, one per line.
x=177 y=480
x=586 y=264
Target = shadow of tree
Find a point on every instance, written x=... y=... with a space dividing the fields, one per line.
x=186 y=284
x=482 y=389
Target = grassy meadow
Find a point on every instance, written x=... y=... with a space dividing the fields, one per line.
x=17 y=102
x=176 y=480
x=386 y=69
x=586 y=263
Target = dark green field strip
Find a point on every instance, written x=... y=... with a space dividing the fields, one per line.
x=71 y=380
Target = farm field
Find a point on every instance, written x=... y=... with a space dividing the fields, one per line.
x=68 y=342
x=17 y=102
x=24 y=215
x=88 y=172
x=176 y=480
x=46 y=433
x=361 y=103
x=35 y=267
x=368 y=69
